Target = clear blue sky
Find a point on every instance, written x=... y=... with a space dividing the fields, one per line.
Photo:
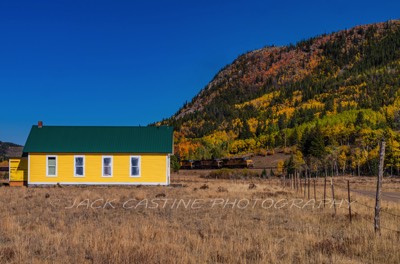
x=135 y=62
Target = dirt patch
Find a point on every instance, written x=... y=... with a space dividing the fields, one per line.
x=268 y=161
x=387 y=196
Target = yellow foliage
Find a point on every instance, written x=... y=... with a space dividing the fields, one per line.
x=351 y=104
x=298 y=160
x=397 y=101
x=312 y=104
x=186 y=148
x=287 y=110
x=237 y=123
x=297 y=96
x=237 y=146
x=251 y=144
x=218 y=137
x=253 y=123
x=261 y=102
x=342 y=157
x=314 y=62
x=280 y=167
x=391 y=110
x=261 y=152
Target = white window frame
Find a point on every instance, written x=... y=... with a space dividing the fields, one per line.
x=102 y=166
x=47 y=165
x=139 y=165
x=83 y=165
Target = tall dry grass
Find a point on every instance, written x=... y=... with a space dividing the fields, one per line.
x=36 y=226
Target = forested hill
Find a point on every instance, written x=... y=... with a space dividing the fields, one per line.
x=8 y=149
x=344 y=86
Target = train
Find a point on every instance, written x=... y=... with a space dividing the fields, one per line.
x=230 y=163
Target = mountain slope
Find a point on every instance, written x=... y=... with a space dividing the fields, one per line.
x=8 y=149
x=347 y=82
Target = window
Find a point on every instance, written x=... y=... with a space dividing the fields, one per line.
x=79 y=166
x=107 y=166
x=135 y=166
x=51 y=168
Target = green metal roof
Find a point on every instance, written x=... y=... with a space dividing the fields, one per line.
x=99 y=139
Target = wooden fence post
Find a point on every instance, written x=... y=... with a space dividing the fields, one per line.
x=348 y=195
x=315 y=193
x=291 y=181
x=324 y=191
x=333 y=195
x=284 y=180
x=377 y=227
x=300 y=187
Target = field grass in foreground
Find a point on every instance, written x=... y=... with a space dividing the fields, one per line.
x=205 y=221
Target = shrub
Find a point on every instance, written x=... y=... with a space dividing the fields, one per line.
x=264 y=173
x=175 y=166
x=261 y=152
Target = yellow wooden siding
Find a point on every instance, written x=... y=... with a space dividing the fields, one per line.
x=153 y=169
x=18 y=169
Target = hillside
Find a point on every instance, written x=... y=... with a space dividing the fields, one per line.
x=337 y=92
x=8 y=149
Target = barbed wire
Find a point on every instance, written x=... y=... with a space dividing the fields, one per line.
x=390 y=196
x=383 y=194
x=364 y=204
x=371 y=222
x=353 y=192
x=328 y=185
x=386 y=212
x=358 y=191
x=381 y=210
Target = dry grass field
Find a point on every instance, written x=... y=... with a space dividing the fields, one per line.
x=202 y=221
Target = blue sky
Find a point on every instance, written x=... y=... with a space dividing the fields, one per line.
x=135 y=62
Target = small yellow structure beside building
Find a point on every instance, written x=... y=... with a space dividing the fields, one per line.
x=18 y=171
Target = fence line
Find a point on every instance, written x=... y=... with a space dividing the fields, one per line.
x=371 y=222
x=383 y=211
x=364 y=204
x=354 y=192
x=372 y=207
x=386 y=212
x=390 y=196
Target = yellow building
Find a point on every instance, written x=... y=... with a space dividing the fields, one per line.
x=93 y=155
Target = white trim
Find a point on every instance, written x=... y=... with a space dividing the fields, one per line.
x=29 y=169
x=98 y=183
x=139 y=165
x=102 y=166
x=83 y=165
x=47 y=165
x=9 y=170
x=173 y=143
x=168 y=168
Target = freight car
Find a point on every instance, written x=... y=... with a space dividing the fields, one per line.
x=217 y=163
x=187 y=164
x=238 y=163
x=208 y=164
